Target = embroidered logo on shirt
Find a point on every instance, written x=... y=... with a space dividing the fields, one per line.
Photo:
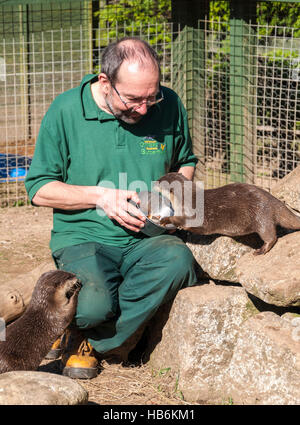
x=151 y=146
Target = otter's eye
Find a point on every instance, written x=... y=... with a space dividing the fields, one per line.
x=69 y=293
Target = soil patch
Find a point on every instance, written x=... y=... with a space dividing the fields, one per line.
x=24 y=240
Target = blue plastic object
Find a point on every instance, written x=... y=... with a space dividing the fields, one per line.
x=13 y=167
x=18 y=172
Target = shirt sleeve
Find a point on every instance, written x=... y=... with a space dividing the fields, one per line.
x=183 y=155
x=48 y=163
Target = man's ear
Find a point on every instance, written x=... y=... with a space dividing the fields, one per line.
x=104 y=82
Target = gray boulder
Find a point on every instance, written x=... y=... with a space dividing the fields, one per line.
x=275 y=276
x=217 y=255
x=40 y=388
x=220 y=349
x=198 y=338
x=265 y=366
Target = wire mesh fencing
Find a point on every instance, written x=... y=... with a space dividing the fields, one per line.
x=44 y=51
x=239 y=82
x=36 y=68
x=251 y=114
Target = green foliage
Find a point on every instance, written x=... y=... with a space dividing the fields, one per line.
x=164 y=371
x=273 y=18
x=20 y=203
x=278 y=70
x=282 y=15
x=166 y=377
x=219 y=13
x=134 y=18
x=147 y=19
x=229 y=401
x=219 y=9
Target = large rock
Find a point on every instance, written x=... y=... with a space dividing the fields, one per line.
x=198 y=338
x=288 y=189
x=217 y=255
x=221 y=349
x=265 y=366
x=40 y=388
x=275 y=276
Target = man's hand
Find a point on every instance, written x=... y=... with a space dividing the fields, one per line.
x=114 y=203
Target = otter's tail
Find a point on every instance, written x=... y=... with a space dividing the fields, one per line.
x=287 y=219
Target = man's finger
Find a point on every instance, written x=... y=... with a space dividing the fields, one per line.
x=136 y=212
x=122 y=221
x=134 y=196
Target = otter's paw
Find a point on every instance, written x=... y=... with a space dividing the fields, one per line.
x=164 y=221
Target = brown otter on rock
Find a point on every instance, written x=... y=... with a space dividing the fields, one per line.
x=235 y=209
x=49 y=312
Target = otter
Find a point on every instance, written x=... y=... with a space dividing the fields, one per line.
x=235 y=209
x=49 y=312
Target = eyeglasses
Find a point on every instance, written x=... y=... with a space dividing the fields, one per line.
x=136 y=105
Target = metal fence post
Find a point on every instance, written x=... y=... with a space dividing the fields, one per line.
x=188 y=76
x=89 y=19
x=242 y=125
x=24 y=71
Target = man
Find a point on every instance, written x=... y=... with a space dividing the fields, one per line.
x=118 y=130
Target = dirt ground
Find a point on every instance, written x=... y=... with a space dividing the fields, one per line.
x=24 y=244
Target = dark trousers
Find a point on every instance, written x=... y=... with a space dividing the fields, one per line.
x=123 y=287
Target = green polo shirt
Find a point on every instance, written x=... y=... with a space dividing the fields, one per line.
x=80 y=144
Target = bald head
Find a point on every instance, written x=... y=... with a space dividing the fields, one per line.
x=131 y=50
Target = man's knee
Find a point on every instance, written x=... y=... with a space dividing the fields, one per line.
x=180 y=259
x=94 y=307
x=180 y=270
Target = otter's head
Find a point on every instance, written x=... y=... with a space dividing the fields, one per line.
x=171 y=186
x=172 y=177
x=56 y=293
x=186 y=198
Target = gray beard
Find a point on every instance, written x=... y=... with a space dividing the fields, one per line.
x=122 y=115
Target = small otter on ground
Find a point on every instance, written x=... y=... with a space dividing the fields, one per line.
x=235 y=209
x=49 y=312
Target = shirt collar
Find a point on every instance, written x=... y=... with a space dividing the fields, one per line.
x=90 y=109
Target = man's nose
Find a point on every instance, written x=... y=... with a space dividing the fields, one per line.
x=142 y=109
